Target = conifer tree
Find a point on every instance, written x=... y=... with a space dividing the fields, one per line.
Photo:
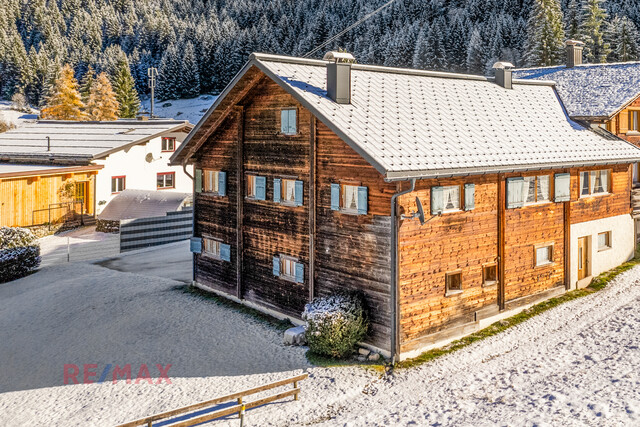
x=125 y=89
x=168 y=74
x=190 y=76
x=87 y=83
x=102 y=104
x=545 y=34
x=592 y=30
x=572 y=20
x=65 y=102
x=476 y=52
x=624 y=39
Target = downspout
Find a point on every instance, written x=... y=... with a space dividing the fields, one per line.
x=395 y=321
x=193 y=221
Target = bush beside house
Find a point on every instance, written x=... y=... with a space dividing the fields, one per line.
x=19 y=253
x=335 y=324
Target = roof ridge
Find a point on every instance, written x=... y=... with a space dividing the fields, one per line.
x=584 y=65
x=389 y=70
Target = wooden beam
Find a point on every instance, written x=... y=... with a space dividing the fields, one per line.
x=240 y=200
x=312 y=206
x=567 y=244
x=501 y=240
x=225 y=113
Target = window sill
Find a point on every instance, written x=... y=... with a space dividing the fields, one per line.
x=633 y=133
x=544 y=264
x=605 y=249
x=586 y=196
x=166 y=188
x=536 y=203
x=211 y=256
x=288 y=134
x=348 y=212
x=212 y=193
x=489 y=284
x=451 y=211
x=451 y=293
x=288 y=278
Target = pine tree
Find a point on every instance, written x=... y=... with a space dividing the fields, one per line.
x=125 y=89
x=476 y=52
x=572 y=20
x=102 y=104
x=592 y=31
x=65 y=102
x=190 y=76
x=87 y=83
x=545 y=35
x=623 y=36
x=168 y=73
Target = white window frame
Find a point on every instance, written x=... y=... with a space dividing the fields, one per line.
x=343 y=197
x=550 y=246
x=449 y=274
x=536 y=187
x=211 y=247
x=211 y=181
x=167 y=139
x=445 y=190
x=119 y=188
x=286 y=260
x=284 y=182
x=608 y=244
x=591 y=177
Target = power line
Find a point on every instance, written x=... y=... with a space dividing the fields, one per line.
x=349 y=28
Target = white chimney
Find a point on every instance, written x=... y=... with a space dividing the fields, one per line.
x=339 y=76
x=503 y=74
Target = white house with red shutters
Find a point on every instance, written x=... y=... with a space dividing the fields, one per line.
x=134 y=153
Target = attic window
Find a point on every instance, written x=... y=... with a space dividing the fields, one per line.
x=288 y=122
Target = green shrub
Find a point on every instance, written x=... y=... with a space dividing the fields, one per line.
x=19 y=253
x=335 y=324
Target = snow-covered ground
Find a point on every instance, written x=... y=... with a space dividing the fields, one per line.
x=18 y=118
x=181 y=109
x=80 y=244
x=577 y=364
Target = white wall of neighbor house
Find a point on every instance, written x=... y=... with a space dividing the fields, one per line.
x=621 y=247
x=140 y=173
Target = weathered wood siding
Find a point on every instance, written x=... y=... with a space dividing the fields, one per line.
x=619 y=124
x=617 y=202
x=21 y=196
x=453 y=241
x=353 y=251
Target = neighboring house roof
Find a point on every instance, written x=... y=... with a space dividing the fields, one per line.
x=591 y=91
x=9 y=170
x=131 y=204
x=415 y=124
x=80 y=142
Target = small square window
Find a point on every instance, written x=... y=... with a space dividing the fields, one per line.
x=211 y=181
x=594 y=182
x=350 y=198
x=168 y=144
x=288 y=190
x=288 y=122
x=117 y=184
x=451 y=198
x=604 y=241
x=633 y=120
x=166 y=180
x=544 y=254
x=536 y=189
x=251 y=186
x=211 y=247
x=453 y=282
x=490 y=274
x=287 y=268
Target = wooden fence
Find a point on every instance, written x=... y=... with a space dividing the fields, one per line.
x=239 y=408
x=143 y=232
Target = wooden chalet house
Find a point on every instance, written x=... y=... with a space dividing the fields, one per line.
x=309 y=175
x=605 y=95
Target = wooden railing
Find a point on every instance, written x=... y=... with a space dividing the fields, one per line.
x=239 y=408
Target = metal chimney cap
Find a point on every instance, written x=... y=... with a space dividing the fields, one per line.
x=502 y=66
x=574 y=43
x=339 y=56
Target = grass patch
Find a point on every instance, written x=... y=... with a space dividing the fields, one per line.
x=278 y=324
x=597 y=284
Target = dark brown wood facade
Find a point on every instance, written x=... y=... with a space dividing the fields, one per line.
x=343 y=251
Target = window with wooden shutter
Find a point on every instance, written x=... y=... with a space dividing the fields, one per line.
x=214 y=248
x=277 y=190
x=363 y=200
x=195 y=245
x=594 y=183
x=335 y=197
x=225 y=252
x=198 y=181
x=288 y=122
x=299 y=270
x=437 y=201
x=276 y=266
x=469 y=197
x=256 y=187
x=214 y=182
x=298 y=193
x=562 y=187
x=515 y=192
x=288 y=268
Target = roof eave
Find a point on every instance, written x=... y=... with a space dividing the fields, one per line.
x=106 y=153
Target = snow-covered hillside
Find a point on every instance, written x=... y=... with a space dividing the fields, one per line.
x=17 y=118
x=181 y=109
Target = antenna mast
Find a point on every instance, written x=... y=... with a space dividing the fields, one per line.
x=153 y=74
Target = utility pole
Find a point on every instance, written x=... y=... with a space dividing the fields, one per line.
x=153 y=74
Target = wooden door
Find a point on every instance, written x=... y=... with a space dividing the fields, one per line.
x=583 y=257
x=81 y=194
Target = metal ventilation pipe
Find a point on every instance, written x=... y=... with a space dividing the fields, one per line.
x=574 y=52
x=339 y=76
x=48 y=144
x=503 y=74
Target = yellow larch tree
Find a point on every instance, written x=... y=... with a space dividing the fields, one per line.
x=65 y=102
x=102 y=104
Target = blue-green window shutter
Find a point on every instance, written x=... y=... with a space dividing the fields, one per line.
x=284 y=121
x=261 y=188
x=562 y=187
x=299 y=193
x=515 y=192
x=469 y=197
x=277 y=189
x=196 y=245
x=225 y=252
x=222 y=183
x=335 y=197
x=299 y=272
x=293 y=122
x=437 y=200
x=276 y=266
x=198 y=183
x=363 y=200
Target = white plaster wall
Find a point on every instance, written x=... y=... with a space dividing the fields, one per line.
x=140 y=174
x=622 y=234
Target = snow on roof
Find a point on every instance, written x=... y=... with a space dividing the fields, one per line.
x=412 y=123
x=130 y=204
x=591 y=91
x=80 y=140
